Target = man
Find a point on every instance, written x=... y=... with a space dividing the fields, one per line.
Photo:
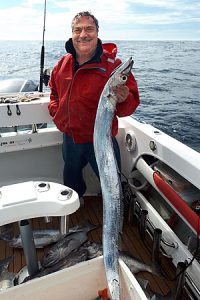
x=76 y=84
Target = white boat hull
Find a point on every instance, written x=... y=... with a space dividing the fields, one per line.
x=80 y=282
x=36 y=156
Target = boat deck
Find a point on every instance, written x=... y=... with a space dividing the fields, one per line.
x=130 y=242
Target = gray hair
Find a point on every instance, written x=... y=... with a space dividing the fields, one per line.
x=85 y=14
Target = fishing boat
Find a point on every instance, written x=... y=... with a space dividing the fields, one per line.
x=161 y=194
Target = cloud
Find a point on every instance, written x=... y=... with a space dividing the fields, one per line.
x=133 y=17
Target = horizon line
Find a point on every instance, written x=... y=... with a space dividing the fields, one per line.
x=149 y=40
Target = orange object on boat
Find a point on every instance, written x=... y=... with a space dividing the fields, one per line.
x=103 y=294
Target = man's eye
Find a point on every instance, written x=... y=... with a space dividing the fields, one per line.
x=89 y=29
x=77 y=30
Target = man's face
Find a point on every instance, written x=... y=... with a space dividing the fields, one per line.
x=84 y=36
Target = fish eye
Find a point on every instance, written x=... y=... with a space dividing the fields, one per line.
x=124 y=77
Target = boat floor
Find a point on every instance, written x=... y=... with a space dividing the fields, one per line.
x=130 y=241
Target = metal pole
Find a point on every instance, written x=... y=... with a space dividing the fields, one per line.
x=42 y=53
x=29 y=247
x=132 y=208
x=180 y=273
x=64 y=224
x=155 y=258
x=143 y=223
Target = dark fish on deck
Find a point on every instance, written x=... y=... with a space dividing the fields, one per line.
x=6 y=280
x=134 y=264
x=137 y=266
x=85 y=225
x=41 y=238
x=169 y=296
x=156 y=296
x=142 y=282
x=6 y=277
x=109 y=177
x=44 y=237
x=4 y=263
x=72 y=259
x=93 y=249
x=63 y=247
x=7 y=231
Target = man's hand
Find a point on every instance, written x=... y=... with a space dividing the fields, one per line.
x=121 y=92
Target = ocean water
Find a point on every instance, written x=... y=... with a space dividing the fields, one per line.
x=167 y=73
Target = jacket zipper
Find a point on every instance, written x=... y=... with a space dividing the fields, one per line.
x=68 y=98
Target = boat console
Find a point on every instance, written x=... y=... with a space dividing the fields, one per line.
x=33 y=199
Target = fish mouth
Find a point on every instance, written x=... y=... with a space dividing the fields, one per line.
x=128 y=68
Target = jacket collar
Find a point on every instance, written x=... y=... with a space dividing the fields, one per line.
x=95 y=59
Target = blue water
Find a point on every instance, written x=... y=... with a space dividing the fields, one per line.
x=167 y=72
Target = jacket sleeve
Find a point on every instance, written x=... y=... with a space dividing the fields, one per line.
x=127 y=107
x=54 y=99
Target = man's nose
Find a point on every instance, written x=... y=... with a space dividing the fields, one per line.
x=83 y=33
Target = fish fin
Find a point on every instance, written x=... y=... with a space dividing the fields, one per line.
x=85 y=225
x=142 y=282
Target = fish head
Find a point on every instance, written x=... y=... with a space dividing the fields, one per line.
x=52 y=257
x=118 y=77
x=121 y=73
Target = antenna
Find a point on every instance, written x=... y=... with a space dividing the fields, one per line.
x=42 y=53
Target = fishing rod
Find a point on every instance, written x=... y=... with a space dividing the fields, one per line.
x=42 y=53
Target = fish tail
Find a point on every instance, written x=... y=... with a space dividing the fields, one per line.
x=156 y=270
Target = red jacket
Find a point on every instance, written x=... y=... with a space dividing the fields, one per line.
x=74 y=95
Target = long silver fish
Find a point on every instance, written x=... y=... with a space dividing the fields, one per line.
x=109 y=177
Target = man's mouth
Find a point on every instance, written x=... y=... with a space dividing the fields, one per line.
x=84 y=41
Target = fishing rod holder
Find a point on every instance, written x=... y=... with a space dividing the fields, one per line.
x=155 y=258
x=180 y=283
x=143 y=223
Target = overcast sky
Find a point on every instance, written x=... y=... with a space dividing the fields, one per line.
x=118 y=19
